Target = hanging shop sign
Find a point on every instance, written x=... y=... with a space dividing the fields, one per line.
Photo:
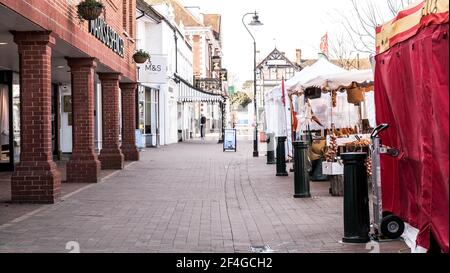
x=230 y=140
x=154 y=70
x=224 y=75
x=216 y=62
x=103 y=32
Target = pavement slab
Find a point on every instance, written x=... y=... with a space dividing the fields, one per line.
x=186 y=197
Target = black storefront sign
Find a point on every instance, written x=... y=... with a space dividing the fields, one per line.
x=102 y=31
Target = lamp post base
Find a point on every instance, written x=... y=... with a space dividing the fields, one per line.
x=255 y=154
x=302 y=195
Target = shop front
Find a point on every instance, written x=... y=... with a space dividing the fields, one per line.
x=63 y=86
x=149 y=116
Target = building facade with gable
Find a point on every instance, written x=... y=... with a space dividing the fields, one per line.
x=203 y=33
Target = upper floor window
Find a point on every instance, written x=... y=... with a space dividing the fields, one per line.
x=125 y=14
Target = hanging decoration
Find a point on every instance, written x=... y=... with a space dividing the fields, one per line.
x=334 y=98
x=332 y=148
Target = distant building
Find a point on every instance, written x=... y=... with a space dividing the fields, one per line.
x=203 y=32
x=269 y=73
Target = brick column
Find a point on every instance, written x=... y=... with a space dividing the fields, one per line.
x=84 y=166
x=36 y=178
x=111 y=156
x=129 y=148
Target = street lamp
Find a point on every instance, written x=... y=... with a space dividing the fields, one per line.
x=255 y=22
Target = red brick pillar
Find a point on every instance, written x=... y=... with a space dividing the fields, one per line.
x=84 y=166
x=36 y=178
x=129 y=148
x=111 y=156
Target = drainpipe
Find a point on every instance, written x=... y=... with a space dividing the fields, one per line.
x=176 y=50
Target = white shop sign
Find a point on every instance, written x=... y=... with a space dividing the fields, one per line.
x=154 y=70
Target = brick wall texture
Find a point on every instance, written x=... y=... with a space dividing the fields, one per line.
x=111 y=156
x=84 y=166
x=60 y=17
x=36 y=179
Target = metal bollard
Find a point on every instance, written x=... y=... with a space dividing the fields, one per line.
x=271 y=148
x=356 y=199
x=301 y=175
x=281 y=157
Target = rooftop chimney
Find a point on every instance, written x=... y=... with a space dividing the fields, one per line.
x=298 y=56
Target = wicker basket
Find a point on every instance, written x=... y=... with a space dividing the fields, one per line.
x=355 y=95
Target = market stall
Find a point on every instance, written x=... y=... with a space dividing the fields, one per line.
x=279 y=115
x=341 y=105
x=411 y=95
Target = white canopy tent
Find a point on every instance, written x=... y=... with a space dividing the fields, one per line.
x=362 y=78
x=278 y=122
x=321 y=67
x=345 y=114
x=278 y=118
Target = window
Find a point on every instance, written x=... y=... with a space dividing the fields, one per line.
x=148 y=111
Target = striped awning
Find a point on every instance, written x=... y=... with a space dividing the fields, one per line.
x=409 y=21
x=188 y=93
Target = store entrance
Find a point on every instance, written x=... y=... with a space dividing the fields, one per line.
x=6 y=123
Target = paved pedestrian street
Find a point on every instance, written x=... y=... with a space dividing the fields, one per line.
x=188 y=197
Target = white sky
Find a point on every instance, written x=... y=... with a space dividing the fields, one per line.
x=289 y=24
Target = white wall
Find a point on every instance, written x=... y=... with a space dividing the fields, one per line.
x=158 y=39
x=98 y=125
x=65 y=133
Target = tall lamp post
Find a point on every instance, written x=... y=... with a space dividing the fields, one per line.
x=255 y=22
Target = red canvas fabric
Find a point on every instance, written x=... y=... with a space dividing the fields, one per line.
x=412 y=96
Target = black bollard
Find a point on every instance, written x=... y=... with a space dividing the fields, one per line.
x=281 y=157
x=301 y=175
x=271 y=149
x=356 y=199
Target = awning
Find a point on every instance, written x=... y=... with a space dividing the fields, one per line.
x=188 y=93
x=410 y=21
x=362 y=79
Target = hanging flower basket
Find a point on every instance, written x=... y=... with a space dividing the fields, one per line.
x=141 y=56
x=89 y=9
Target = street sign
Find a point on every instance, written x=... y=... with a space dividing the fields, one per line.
x=230 y=141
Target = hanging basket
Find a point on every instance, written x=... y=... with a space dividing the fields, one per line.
x=140 y=59
x=89 y=10
x=355 y=95
x=313 y=93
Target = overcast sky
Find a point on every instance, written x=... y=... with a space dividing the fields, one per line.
x=288 y=24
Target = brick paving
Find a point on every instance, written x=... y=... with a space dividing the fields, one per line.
x=188 y=197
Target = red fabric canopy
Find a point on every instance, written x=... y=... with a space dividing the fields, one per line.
x=412 y=96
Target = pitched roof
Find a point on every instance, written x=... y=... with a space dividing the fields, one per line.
x=147 y=9
x=213 y=20
x=181 y=13
x=277 y=55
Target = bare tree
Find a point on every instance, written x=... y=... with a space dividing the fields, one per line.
x=341 y=52
x=366 y=15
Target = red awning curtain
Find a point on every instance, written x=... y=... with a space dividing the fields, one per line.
x=412 y=96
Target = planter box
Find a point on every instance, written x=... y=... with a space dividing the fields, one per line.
x=332 y=168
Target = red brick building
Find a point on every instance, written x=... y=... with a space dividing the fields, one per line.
x=66 y=86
